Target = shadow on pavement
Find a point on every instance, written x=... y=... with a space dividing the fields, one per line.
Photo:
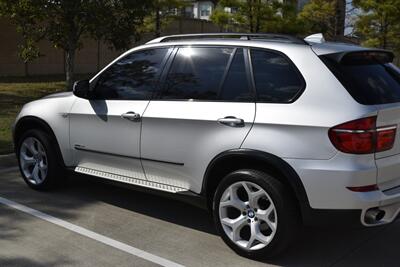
x=315 y=247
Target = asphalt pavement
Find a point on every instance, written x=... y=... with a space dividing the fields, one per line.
x=90 y=223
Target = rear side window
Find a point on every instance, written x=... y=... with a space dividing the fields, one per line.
x=207 y=73
x=277 y=80
x=369 y=82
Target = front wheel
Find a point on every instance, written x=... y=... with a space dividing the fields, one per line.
x=255 y=214
x=38 y=160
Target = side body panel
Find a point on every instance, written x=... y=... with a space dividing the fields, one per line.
x=298 y=133
x=189 y=134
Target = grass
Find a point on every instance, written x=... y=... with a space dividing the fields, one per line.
x=14 y=93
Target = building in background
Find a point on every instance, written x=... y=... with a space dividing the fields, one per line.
x=199 y=10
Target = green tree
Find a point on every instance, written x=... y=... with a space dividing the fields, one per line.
x=258 y=16
x=65 y=22
x=284 y=20
x=247 y=15
x=161 y=14
x=221 y=18
x=378 y=23
x=325 y=16
x=317 y=17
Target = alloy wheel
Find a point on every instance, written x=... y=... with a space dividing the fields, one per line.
x=248 y=215
x=33 y=160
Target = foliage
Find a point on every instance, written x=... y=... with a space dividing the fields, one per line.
x=378 y=25
x=319 y=16
x=65 y=22
x=13 y=95
x=285 y=19
x=257 y=15
x=161 y=14
x=221 y=18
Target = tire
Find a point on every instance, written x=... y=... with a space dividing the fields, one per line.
x=37 y=149
x=271 y=213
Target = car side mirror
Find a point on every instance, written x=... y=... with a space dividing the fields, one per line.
x=81 y=89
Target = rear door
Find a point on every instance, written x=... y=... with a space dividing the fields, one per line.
x=206 y=106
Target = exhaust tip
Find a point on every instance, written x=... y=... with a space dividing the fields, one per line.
x=374 y=216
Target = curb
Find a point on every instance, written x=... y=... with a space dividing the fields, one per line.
x=7 y=161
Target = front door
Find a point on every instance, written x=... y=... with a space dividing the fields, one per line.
x=206 y=107
x=105 y=130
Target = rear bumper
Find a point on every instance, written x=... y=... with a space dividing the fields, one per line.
x=326 y=184
x=389 y=202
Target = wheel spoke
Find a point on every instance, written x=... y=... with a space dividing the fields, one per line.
x=35 y=173
x=236 y=225
x=254 y=197
x=264 y=215
x=233 y=201
x=30 y=145
x=26 y=160
x=41 y=150
x=43 y=170
x=253 y=235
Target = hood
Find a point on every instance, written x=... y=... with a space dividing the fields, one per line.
x=59 y=95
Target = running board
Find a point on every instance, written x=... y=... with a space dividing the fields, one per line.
x=130 y=180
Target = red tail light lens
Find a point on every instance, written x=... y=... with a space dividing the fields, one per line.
x=362 y=136
x=385 y=138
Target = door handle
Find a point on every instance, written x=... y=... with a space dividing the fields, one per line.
x=132 y=116
x=232 y=121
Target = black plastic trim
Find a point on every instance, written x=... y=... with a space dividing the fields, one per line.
x=78 y=147
x=41 y=123
x=290 y=174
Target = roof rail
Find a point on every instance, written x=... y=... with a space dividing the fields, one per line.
x=242 y=36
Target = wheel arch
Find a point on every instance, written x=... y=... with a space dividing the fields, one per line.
x=231 y=160
x=31 y=122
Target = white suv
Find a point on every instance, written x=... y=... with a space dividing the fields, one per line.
x=267 y=131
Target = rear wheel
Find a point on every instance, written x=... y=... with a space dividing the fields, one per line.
x=255 y=214
x=39 y=162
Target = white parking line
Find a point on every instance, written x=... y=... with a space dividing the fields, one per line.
x=90 y=234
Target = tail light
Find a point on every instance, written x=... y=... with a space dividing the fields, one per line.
x=362 y=136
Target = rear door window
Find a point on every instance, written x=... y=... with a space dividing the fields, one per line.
x=208 y=74
x=196 y=73
x=369 y=82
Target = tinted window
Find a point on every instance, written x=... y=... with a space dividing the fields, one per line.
x=236 y=85
x=276 y=78
x=132 y=77
x=196 y=73
x=368 y=82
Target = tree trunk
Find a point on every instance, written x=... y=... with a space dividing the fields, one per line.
x=250 y=15
x=98 y=54
x=69 y=68
x=26 y=69
x=158 y=22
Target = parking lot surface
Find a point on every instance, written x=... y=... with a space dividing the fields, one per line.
x=166 y=229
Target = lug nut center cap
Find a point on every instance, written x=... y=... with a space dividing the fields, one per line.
x=251 y=214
